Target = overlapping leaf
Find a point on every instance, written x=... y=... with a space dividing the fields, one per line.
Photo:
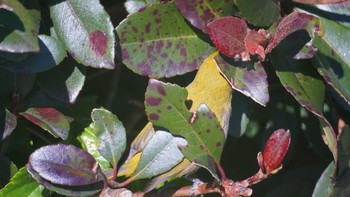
x=52 y=52
x=165 y=106
x=111 y=135
x=22 y=185
x=133 y=6
x=247 y=77
x=324 y=186
x=65 y=165
x=19 y=30
x=151 y=47
x=160 y=155
x=10 y=124
x=257 y=12
x=85 y=190
x=319 y=1
x=50 y=120
x=199 y=13
x=90 y=143
x=86 y=30
x=64 y=82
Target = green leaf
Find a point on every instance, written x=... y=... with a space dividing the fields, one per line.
x=301 y=80
x=52 y=52
x=64 y=82
x=249 y=78
x=133 y=6
x=344 y=150
x=18 y=29
x=324 y=187
x=150 y=45
x=50 y=120
x=22 y=185
x=111 y=135
x=86 y=30
x=257 y=12
x=89 y=142
x=165 y=107
x=160 y=155
x=199 y=13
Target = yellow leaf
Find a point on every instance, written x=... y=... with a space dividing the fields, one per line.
x=130 y=165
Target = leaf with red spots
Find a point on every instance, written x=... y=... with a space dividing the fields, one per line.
x=199 y=13
x=133 y=6
x=200 y=128
x=158 y=42
x=18 y=29
x=111 y=135
x=300 y=80
x=64 y=82
x=65 y=165
x=275 y=149
x=292 y=23
x=50 y=120
x=86 y=30
x=257 y=12
x=248 y=78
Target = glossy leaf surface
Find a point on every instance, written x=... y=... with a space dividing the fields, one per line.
x=257 y=12
x=133 y=6
x=86 y=30
x=85 y=190
x=159 y=155
x=18 y=30
x=51 y=54
x=248 y=78
x=90 y=143
x=22 y=185
x=110 y=133
x=65 y=165
x=50 y=120
x=199 y=13
x=151 y=47
x=201 y=128
x=64 y=82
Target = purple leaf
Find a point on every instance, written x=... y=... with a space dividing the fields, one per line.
x=65 y=165
x=200 y=13
x=246 y=77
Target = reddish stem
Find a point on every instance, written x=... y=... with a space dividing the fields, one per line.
x=221 y=171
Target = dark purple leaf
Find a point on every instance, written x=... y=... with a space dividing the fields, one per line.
x=50 y=120
x=292 y=23
x=199 y=13
x=158 y=42
x=85 y=190
x=246 y=77
x=275 y=150
x=65 y=165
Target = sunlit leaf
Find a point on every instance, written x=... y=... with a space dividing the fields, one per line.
x=52 y=52
x=110 y=133
x=257 y=12
x=199 y=13
x=22 y=185
x=85 y=190
x=65 y=165
x=109 y=192
x=86 y=30
x=18 y=29
x=165 y=104
x=151 y=47
x=90 y=143
x=50 y=120
x=159 y=155
x=135 y=5
x=64 y=82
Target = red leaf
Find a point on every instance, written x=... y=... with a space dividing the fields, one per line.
x=275 y=150
x=227 y=34
x=255 y=42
